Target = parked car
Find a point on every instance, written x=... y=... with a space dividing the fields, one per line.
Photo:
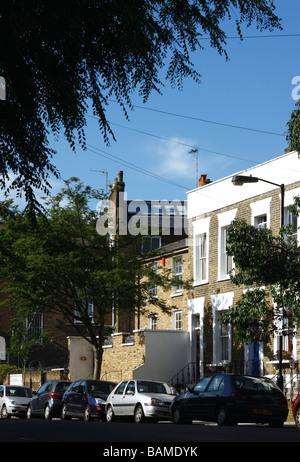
x=141 y=399
x=296 y=411
x=86 y=399
x=230 y=399
x=14 y=400
x=47 y=401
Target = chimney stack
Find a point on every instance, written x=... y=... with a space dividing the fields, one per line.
x=203 y=180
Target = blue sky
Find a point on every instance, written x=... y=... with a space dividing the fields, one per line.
x=252 y=91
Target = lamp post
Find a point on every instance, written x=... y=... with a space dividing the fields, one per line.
x=239 y=180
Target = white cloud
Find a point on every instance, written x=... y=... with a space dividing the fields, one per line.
x=173 y=157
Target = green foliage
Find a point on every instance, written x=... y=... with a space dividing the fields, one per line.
x=62 y=264
x=252 y=316
x=6 y=369
x=293 y=132
x=74 y=55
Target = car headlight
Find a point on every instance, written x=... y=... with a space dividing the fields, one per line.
x=100 y=401
x=156 y=402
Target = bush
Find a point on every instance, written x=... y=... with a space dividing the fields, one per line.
x=6 y=369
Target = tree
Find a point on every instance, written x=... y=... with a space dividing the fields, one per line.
x=293 y=132
x=62 y=264
x=269 y=267
x=60 y=58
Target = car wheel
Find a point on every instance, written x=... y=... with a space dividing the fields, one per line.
x=4 y=413
x=29 y=412
x=47 y=413
x=110 y=416
x=176 y=415
x=297 y=418
x=87 y=413
x=222 y=417
x=178 y=418
x=139 y=414
x=64 y=414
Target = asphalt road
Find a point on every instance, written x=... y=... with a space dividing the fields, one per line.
x=128 y=434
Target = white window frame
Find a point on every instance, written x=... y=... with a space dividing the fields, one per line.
x=260 y=209
x=152 y=321
x=90 y=308
x=221 y=303
x=152 y=289
x=288 y=201
x=201 y=257
x=177 y=320
x=177 y=271
x=224 y=266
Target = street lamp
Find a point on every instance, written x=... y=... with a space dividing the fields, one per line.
x=239 y=180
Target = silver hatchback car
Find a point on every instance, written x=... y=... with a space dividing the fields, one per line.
x=14 y=400
x=141 y=399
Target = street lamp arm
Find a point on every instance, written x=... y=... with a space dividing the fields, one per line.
x=239 y=180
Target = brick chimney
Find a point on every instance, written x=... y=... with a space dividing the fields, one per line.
x=203 y=180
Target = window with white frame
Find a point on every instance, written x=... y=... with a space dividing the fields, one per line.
x=201 y=250
x=221 y=332
x=177 y=272
x=225 y=261
x=260 y=222
x=292 y=221
x=34 y=325
x=152 y=321
x=201 y=258
x=152 y=288
x=177 y=320
x=87 y=309
x=260 y=213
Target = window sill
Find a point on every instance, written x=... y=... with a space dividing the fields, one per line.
x=202 y=283
x=178 y=294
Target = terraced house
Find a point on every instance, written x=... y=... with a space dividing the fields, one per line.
x=211 y=208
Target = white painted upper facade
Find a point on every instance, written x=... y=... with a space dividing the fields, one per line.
x=222 y=193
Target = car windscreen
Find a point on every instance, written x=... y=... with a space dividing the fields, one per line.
x=155 y=387
x=62 y=386
x=254 y=384
x=19 y=391
x=99 y=387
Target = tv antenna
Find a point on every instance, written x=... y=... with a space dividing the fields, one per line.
x=106 y=178
x=195 y=153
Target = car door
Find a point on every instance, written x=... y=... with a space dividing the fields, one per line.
x=212 y=396
x=129 y=398
x=70 y=397
x=117 y=398
x=36 y=401
x=43 y=397
x=193 y=404
x=79 y=398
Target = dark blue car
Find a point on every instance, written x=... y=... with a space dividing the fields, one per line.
x=229 y=399
x=86 y=399
x=47 y=400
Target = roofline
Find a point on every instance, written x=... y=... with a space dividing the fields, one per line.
x=242 y=171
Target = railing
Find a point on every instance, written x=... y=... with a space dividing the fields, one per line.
x=187 y=375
